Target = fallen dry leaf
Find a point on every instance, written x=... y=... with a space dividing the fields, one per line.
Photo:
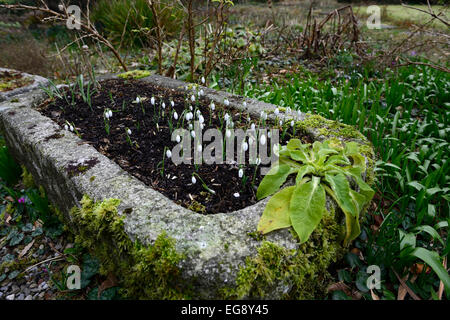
x=111 y=281
x=26 y=249
x=374 y=295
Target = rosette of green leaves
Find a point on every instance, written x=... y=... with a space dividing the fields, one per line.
x=320 y=168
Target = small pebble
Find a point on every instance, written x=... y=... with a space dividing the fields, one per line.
x=10 y=297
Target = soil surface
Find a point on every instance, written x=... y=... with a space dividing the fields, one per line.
x=141 y=153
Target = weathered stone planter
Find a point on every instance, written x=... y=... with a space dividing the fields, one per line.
x=222 y=257
x=36 y=82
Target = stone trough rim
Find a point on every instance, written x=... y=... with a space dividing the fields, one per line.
x=197 y=245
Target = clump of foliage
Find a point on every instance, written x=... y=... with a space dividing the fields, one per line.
x=321 y=168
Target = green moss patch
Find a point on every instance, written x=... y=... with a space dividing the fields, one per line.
x=145 y=272
x=300 y=274
x=135 y=74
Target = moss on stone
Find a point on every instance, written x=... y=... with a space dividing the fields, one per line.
x=135 y=74
x=329 y=128
x=299 y=274
x=145 y=272
x=27 y=178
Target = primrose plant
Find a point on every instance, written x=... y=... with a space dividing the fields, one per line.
x=321 y=168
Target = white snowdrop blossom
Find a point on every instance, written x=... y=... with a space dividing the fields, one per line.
x=236 y=195
x=175 y=115
x=138 y=100
x=129 y=132
x=244 y=104
x=276 y=112
x=212 y=106
x=288 y=110
x=193 y=98
x=163 y=105
x=178 y=139
x=201 y=93
x=85 y=47
x=169 y=154
x=199 y=148
x=281 y=122
x=228 y=133
x=226 y=102
x=172 y=103
x=263 y=139
x=66 y=127
x=190 y=126
x=258 y=161
x=60 y=7
x=193 y=134
x=269 y=134
x=71 y=128
x=194 y=181
x=240 y=173
x=203 y=80
x=292 y=123
x=201 y=119
x=253 y=126
x=245 y=146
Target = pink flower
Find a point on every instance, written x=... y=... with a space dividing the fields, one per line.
x=21 y=200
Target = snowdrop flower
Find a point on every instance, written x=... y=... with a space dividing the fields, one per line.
x=60 y=7
x=137 y=100
x=201 y=93
x=85 y=47
x=276 y=112
x=245 y=146
x=202 y=126
x=281 y=122
x=129 y=132
x=169 y=154
x=190 y=108
x=299 y=113
x=66 y=127
x=263 y=115
x=212 y=106
x=253 y=126
x=292 y=123
x=198 y=113
x=172 y=103
x=269 y=134
x=110 y=114
x=194 y=181
x=190 y=126
x=175 y=115
x=236 y=195
x=241 y=173
x=226 y=102
x=163 y=105
x=199 y=148
x=193 y=98
x=288 y=110
x=226 y=117
x=152 y=100
x=203 y=80
x=71 y=128
x=188 y=116
x=258 y=161
x=193 y=134
x=228 y=133
x=263 y=140
x=201 y=119
x=178 y=139
x=244 y=104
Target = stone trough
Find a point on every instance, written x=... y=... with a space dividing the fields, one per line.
x=222 y=256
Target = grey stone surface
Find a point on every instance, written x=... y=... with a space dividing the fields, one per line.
x=37 y=82
x=215 y=246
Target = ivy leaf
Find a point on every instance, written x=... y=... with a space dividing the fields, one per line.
x=307 y=207
x=276 y=213
x=274 y=179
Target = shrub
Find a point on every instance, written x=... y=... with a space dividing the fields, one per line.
x=127 y=17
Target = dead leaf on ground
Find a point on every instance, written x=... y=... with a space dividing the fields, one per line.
x=26 y=249
x=110 y=282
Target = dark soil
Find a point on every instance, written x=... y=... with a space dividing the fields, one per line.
x=144 y=158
